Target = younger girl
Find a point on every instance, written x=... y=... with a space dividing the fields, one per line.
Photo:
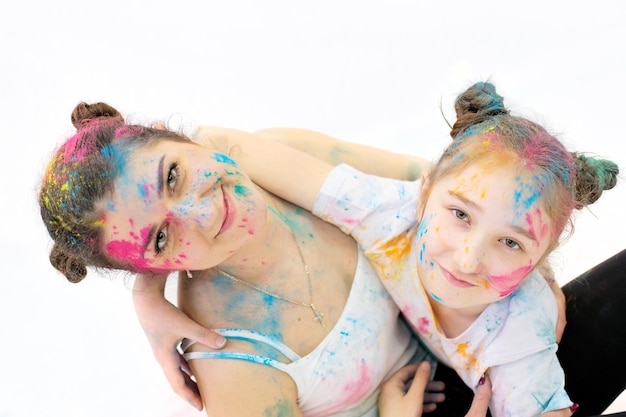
x=458 y=251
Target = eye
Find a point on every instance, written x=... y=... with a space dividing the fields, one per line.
x=160 y=242
x=510 y=243
x=459 y=214
x=172 y=176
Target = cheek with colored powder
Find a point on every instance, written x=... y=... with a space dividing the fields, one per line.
x=131 y=251
x=220 y=157
x=242 y=190
x=507 y=283
x=422 y=232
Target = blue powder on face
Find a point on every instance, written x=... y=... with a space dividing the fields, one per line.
x=242 y=190
x=220 y=157
x=436 y=297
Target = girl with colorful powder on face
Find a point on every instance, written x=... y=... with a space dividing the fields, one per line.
x=310 y=327
x=459 y=251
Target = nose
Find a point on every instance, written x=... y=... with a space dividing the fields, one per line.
x=469 y=257
x=195 y=209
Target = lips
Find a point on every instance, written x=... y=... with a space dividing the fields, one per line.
x=228 y=213
x=454 y=280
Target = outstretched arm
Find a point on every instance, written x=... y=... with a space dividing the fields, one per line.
x=280 y=169
x=369 y=159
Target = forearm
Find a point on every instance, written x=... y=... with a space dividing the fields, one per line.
x=280 y=169
x=369 y=159
x=147 y=282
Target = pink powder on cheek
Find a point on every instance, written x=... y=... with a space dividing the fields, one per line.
x=133 y=253
x=506 y=284
x=126 y=251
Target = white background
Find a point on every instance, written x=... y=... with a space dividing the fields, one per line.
x=373 y=72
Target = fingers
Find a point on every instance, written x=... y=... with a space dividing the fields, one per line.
x=434 y=393
x=206 y=337
x=435 y=386
x=403 y=375
x=481 y=400
x=434 y=397
x=420 y=380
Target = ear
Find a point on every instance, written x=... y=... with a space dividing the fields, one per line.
x=158 y=126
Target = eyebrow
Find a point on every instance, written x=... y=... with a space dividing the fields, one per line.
x=160 y=191
x=518 y=229
x=524 y=232
x=461 y=197
x=160 y=176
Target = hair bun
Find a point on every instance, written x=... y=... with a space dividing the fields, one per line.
x=593 y=177
x=475 y=105
x=69 y=265
x=84 y=114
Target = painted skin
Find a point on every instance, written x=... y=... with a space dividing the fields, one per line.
x=181 y=206
x=478 y=240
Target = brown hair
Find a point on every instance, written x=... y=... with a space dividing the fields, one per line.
x=484 y=128
x=81 y=173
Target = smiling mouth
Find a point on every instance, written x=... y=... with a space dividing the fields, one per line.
x=228 y=213
x=454 y=280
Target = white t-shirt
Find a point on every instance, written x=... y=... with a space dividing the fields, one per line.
x=514 y=338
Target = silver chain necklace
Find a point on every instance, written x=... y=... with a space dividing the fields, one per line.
x=317 y=315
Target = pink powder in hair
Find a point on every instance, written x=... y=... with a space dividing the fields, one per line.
x=78 y=146
x=126 y=131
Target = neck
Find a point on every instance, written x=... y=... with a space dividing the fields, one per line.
x=454 y=321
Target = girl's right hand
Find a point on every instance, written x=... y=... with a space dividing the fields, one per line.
x=164 y=326
x=395 y=401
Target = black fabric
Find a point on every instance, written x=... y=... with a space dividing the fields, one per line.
x=593 y=348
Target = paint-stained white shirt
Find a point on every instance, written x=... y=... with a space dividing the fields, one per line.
x=513 y=338
x=341 y=377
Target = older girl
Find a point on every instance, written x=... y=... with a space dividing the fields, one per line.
x=311 y=328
